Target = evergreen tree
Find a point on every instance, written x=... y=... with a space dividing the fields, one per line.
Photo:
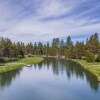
x=90 y=57
x=69 y=42
x=62 y=47
x=79 y=49
x=93 y=45
x=70 y=53
x=55 y=46
x=47 y=49
x=40 y=48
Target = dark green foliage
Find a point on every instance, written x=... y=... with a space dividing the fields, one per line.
x=40 y=48
x=19 y=56
x=69 y=42
x=98 y=58
x=71 y=53
x=29 y=48
x=58 y=48
x=30 y=55
x=70 y=49
x=47 y=49
x=21 y=53
x=93 y=44
x=62 y=47
x=90 y=57
x=1 y=59
x=4 y=59
x=80 y=49
x=83 y=58
x=55 y=46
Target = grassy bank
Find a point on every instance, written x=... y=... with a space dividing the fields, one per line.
x=18 y=64
x=94 y=68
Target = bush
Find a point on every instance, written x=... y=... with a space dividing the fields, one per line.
x=30 y=55
x=83 y=58
x=5 y=59
x=98 y=58
x=90 y=57
x=19 y=56
x=1 y=59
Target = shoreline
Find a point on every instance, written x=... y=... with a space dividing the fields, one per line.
x=18 y=64
x=91 y=67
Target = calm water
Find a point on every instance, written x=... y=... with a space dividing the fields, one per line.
x=52 y=79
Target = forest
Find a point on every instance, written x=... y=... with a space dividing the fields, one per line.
x=88 y=50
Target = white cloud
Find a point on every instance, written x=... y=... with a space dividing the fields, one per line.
x=32 y=21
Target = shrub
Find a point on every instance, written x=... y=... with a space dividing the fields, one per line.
x=98 y=58
x=1 y=59
x=5 y=59
x=19 y=56
x=83 y=58
x=90 y=57
x=30 y=55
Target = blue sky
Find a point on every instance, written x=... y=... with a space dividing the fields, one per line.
x=42 y=20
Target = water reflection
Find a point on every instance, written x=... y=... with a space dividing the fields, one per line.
x=58 y=66
x=7 y=78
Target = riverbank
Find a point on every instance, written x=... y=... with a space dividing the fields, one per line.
x=94 y=68
x=20 y=63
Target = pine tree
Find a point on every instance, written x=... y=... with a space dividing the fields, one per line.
x=62 y=47
x=79 y=49
x=70 y=53
x=69 y=42
x=55 y=46
x=93 y=45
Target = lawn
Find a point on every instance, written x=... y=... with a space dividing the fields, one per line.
x=20 y=63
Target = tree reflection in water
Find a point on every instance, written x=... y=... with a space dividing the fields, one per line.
x=58 y=66
x=7 y=78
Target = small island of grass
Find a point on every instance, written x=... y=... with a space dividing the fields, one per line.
x=5 y=67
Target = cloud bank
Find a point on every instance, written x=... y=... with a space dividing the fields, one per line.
x=42 y=20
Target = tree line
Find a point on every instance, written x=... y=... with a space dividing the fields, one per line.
x=79 y=50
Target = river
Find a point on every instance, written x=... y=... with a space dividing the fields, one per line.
x=52 y=79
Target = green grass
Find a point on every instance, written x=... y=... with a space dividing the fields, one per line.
x=18 y=64
x=94 y=67
x=30 y=60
